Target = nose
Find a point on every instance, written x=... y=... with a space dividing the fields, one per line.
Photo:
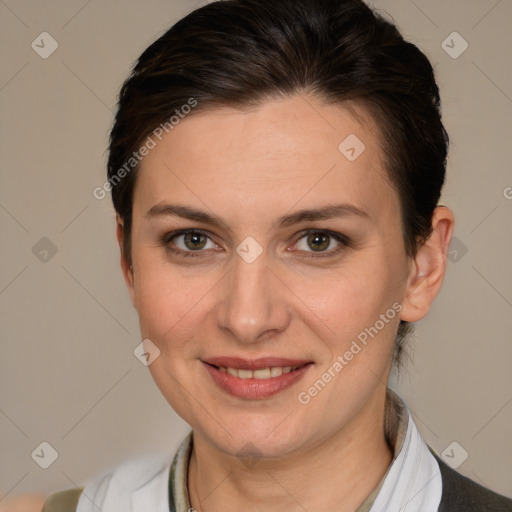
x=253 y=308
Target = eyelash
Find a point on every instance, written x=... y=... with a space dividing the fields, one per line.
x=344 y=242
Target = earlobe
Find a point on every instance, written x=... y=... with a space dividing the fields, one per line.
x=126 y=266
x=429 y=267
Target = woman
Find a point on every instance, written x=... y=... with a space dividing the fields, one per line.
x=276 y=169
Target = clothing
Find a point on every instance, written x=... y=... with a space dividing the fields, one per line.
x=460 y=494
x=417 y=480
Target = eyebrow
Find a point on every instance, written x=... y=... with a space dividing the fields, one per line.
x=323 y=213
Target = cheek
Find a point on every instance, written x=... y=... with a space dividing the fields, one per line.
x=356 y=319
x=351 y=298
x=167 y=301
x=357 y=308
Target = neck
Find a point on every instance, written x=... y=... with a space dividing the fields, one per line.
x=337 y=473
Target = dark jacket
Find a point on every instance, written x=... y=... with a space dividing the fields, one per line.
x=460 y=494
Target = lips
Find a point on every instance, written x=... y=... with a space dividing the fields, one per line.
x=256 y=378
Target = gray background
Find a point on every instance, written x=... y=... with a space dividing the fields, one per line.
x=68 y=374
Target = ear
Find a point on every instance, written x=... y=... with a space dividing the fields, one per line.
x=429 y=267
x=126 y=266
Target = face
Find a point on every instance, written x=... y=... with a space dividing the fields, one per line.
x=259 y=243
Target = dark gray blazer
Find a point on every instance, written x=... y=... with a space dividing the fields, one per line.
x=460 y=494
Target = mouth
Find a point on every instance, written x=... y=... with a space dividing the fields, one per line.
x=255 y=379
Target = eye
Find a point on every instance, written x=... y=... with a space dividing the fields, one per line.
x=325 y=243
x=188 y=243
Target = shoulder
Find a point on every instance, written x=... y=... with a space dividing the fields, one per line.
x=460 y=494
x=63 y=501
x=117 y=487
x=121 y=487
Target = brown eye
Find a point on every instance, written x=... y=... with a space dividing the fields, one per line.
x=194 y=241
x=318 y=241
x=189 y=243
x=323 y=243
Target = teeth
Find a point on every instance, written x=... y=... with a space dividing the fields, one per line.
x=276 y=372
x=261 y=374
x=264 y=373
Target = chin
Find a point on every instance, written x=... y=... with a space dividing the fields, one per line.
x=268 y=437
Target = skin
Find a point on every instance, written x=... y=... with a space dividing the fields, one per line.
x=23 y=503
x=249 y=168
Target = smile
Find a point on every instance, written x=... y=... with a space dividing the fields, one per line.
x=255 y=380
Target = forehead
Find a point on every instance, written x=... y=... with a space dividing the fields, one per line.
x=268 y=158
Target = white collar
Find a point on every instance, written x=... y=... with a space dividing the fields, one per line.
x=413 y=480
